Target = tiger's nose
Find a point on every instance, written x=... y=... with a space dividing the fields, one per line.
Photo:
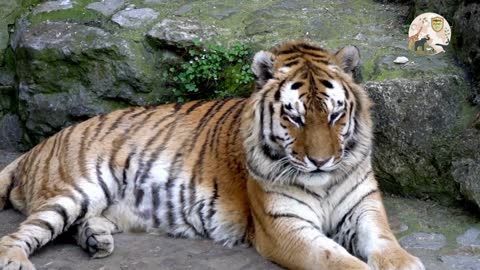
x=318 y=162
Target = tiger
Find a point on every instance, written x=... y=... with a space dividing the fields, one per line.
x=287 y=170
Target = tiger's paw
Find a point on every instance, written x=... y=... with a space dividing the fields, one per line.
x=394 y=259
x=98 y=244
x=14 y=258
x=96 y=241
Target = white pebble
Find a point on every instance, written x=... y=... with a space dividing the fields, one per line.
x=400 y=60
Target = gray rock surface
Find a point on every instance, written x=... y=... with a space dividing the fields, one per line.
x=8 y=13
x=135 y=18
x=418 y=123
x=107 y=7
x=11 y=132
x=421 y=240
x=114 y=75
x=470 y=238
x=51 y=6
x=180 y=32
x=467 y=33
x=462 y=262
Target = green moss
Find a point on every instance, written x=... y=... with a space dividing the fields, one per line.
x=78 y=14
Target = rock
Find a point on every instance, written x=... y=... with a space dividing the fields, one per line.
x=106 y=7
x=180 y=32
x=461 y=262
x=184 y=9
x=466 y=172
x=99 y=73
x=8 y=14
x=222 y=11
x=420 y=240
x=135 y=18
x=11 y=132
x=53 y=6
x=417 y=132
x=470 y=238
x=467 y=34
x=400 y=60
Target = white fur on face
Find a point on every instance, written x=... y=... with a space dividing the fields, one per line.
x=337 y=99
x=290 y=99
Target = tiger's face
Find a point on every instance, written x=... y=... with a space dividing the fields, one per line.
x=307 y=105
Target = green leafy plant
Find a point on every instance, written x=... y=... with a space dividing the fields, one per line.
x=212 y=71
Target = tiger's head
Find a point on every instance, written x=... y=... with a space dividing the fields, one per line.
x=308 y=119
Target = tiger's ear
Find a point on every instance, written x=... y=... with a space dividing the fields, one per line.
x=348 y=58
x=262 y=67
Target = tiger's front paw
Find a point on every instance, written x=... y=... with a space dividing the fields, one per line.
x=394 y=259
x=14 y=258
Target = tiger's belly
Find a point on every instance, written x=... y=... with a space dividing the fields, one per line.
x=181 y=206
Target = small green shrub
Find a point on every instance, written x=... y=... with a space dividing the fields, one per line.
x=212 y=72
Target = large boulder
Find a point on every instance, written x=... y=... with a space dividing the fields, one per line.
x=68 y=72
x=420 y=132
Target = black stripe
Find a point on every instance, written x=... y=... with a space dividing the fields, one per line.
x=143 y=171
x=60 y=210
x=213 y=199
x=291 y=63
x=219 y=125
x=308 y=191
x=29 y=247
x=156 y=200
x=290 y=50
x=177 y=106
x=277 y=92
x=350 y=211
x=117 y=122
x=216 y=107
x=292 y=198
x=100 y=121
x=126 y=167
x=37 y=242
x=365 y=177
x=195 y=106
x=83 y=205
x=139 y=193
x=172 y=176
x=289 y=215
x=202 y=218
x=234 y=130
x=183 y=209
x=102 y=183
x=42 y=224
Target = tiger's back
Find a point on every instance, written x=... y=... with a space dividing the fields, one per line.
x=153 y=168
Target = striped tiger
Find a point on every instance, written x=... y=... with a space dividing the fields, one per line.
x=287 y=170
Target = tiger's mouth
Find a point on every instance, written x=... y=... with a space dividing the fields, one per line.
x=307 y=167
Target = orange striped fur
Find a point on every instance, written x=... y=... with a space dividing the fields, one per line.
x=287 y=170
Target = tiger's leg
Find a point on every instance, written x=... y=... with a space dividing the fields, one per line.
x=366 y=231
x=41 y=226
x=295 y=240
x=95 y=236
